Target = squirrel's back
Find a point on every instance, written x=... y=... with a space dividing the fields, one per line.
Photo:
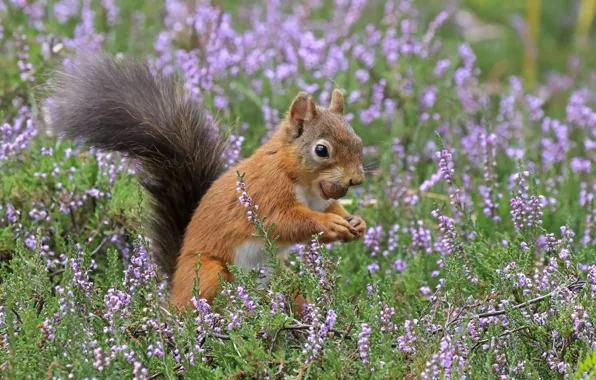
x=122 y=105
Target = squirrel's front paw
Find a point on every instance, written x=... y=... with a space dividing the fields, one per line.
x=358 y=223
x=337 y=228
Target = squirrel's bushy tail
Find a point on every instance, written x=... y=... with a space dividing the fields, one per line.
x=121 y=105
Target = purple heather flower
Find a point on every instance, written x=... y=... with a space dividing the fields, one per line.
x=46 y=327
x=16 y=137
x=579 y=113
x=116 y=302
x=205 y=320
x=387 y=325
x=362 y=76
x=372 y=268
x=317 y=332
x=246 y=299
x=526 y=210
x=372 y=239
x=490 y=197
x=139 y=372
x=392 y=240
x=102 y=361
x=271 y=117
x=233 y=150
x=434 y=25
x=81 y=273
x=421 y=238
x=65 y=10
x=156 y=350
x=429 y=97
x=141 y=273
x=429 y=183
x=406 y=342
x=399 y=265
x=447 y=243
x=220 y=102
x=425 y=290
x=278 y=303
x=581 y=165
x=85 y=35
x=247 y=202
x=364 y=343
x=447 y=171
x=441 y=67
x=112 y=11
x=535 y=107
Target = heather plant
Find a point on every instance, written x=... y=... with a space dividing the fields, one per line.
x=479 y=260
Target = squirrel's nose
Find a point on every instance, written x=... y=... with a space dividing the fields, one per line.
x=356 y=180
x=357 y=177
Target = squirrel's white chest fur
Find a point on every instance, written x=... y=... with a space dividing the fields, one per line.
x=250 y=255
x=312 y=199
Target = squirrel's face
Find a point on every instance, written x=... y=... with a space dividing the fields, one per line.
x=328 y=148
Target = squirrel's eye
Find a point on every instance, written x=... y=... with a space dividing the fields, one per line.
x=321 y=151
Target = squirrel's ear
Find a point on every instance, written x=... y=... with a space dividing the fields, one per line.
x=337 y=102
x=303 y=108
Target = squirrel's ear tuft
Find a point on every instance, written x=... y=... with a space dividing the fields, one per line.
x=337 y=102
x=303 y=108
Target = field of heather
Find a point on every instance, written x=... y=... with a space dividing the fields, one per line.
x=479 y=124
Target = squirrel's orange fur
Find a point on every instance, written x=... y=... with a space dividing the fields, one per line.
x=273 y=174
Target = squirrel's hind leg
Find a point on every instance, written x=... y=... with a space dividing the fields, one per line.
x=209 y=286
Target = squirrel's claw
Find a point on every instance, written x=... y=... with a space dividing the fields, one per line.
x=357 y=222
x=337 y=228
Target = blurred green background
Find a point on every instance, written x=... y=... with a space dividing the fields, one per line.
x=528 y=37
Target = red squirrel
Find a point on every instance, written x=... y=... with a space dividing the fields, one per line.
x=296 y=178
